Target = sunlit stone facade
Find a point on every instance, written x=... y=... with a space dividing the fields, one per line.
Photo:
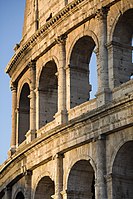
x=65 y=145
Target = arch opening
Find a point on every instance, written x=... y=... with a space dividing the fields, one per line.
x=123 y=172
x=80 y=84
x=93 y=75
x=81 y=181
x=48 y=93
x=45 y=188
x=122 y=49
x=20 y=195
x=24 y=113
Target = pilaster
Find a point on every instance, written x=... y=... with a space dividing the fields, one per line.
x=61 y=115
x=28 y=176
x=59 y=176
x=101 y=191
x=32 y=132
x=103 y=94
x=14 y=118
x=109 y=185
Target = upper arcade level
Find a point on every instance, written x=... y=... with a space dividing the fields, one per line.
x=51 y=70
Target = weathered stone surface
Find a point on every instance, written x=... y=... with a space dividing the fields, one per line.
x=64 y=144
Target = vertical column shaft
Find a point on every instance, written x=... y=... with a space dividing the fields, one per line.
x=59 y=176
x=14 y=116
x=32 y=67
x=103 y=54
x=62 y=74
x=101 y=191
x=28 y=176
x=61 y=115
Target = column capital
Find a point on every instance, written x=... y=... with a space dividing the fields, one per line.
x=61 y=39
x=102 y=13
x=58 y=156
x=32 y=64
x=99 y=137
x=13 y=86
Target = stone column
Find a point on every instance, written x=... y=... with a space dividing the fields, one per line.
x=103 y=79
x=68 y=98
x=31 y=133
x=59 y=176
x=101 y=191
x=109 y=185
x=17 y=127
x=8 y=193
x=14 y=118
x=61 y=116
x=28 y=176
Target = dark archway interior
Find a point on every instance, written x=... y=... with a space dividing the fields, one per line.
x=48 y=93
x=80 y=71
x=45 y=188
x=81 y=181
x=123 y=172
x=24 y=113
x=20 y=195
x=122 y=48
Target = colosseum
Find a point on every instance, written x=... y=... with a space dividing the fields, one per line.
x=65 y=144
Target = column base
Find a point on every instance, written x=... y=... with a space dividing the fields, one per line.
x=30 y=135
x=61 y=117
x=103 y=97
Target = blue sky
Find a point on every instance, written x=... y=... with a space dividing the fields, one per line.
x=11 y=23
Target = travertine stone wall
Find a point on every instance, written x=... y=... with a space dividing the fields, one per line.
x=63 y=144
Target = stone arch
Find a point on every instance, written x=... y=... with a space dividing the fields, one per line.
x=81 y=180
x=19 y=194
x=120 y=45
x=23 y=112
x=80 y=57
x=45 y=188
x=40 y=68
x=122 y=172
x=48 y=93
x=25 y=81
x=74 y=160
x=127 y=6
x=88 y=33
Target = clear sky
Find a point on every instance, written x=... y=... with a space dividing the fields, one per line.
x=11 y=23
